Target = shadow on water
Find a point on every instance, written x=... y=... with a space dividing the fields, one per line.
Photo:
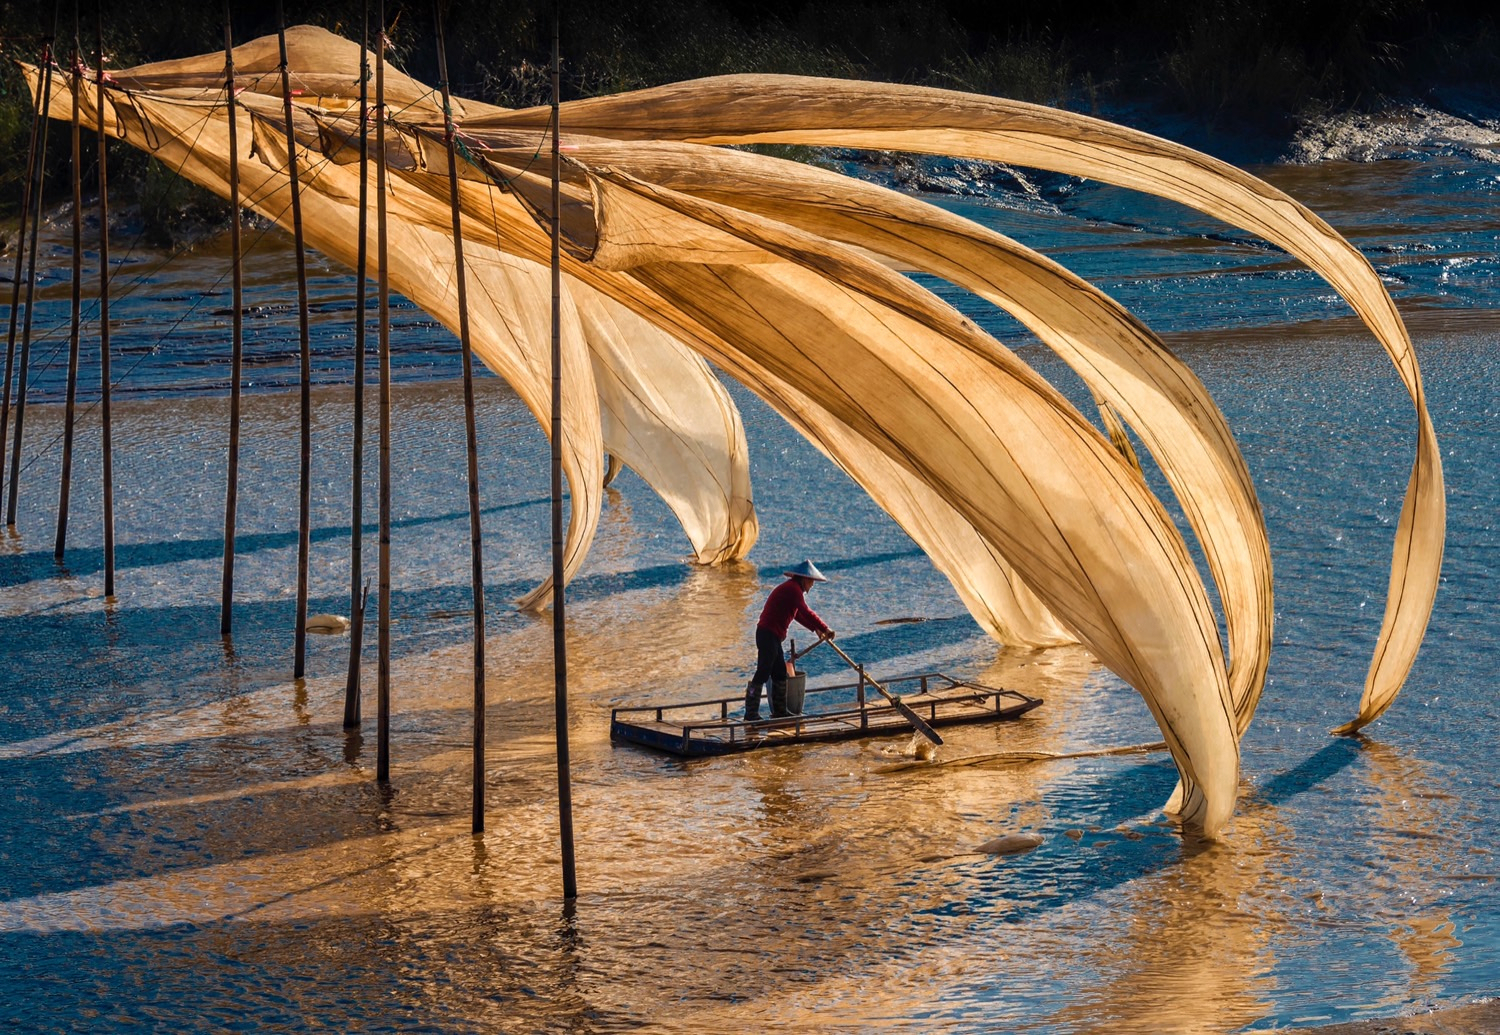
x=1335 y=756
x=68 y=822
x=361 y=974
x=873 y=648
x=80 y=837
x=103 y=657
x=68 y=810
x=1109 y=823
x=37 y=564
x=205 y=801
x=1057 y=874
x=845 y=564
x=374 y=955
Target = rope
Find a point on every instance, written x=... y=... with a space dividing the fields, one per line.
x=148 y=275
x=156 y=346
x=478 y=161
x=142 y=278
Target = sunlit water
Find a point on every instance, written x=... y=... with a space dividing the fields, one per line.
x=192 y=842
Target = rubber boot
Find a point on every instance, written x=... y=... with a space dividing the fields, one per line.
x=752 y=702
x=778 y=699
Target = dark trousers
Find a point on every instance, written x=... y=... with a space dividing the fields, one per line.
x=770 y=664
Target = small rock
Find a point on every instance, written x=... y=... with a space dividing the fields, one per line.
x=1011 y=844
x=328 y=624
x=815 y=876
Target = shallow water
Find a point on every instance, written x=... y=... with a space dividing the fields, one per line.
x=193 y=842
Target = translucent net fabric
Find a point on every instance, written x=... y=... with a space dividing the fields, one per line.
x=789 y=279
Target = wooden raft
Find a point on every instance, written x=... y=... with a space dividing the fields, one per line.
x=695 y=728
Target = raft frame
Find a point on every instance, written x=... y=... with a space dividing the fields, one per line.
x=937 y=698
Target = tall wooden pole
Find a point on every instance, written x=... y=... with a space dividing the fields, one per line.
x=383 y=289
x=70 y=408
x=32 y=160
x=476 y=550
x=559 y=612
x=357 y=599
x=105 y=388
x=36 y=219
x=236 y=322
x=304 y=512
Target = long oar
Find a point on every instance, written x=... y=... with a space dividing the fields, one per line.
x=911 y=716
x=798 y=654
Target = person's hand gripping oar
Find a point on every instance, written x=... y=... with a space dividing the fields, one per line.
x=911 y=716
x=797 y=655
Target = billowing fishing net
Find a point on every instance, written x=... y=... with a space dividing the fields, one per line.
x=788 y=278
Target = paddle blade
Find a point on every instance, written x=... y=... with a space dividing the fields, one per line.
x=917 y=722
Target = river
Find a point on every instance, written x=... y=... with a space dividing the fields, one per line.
x=192 y=841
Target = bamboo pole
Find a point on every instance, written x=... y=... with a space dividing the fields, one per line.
x=105 y=388
x=237 y=325
x=15 y=284
x=559 y=612
x=383 y=670
x=476 y=550
x=357 y=599
x=304 y=511
x=24 y=370
x=70 y=407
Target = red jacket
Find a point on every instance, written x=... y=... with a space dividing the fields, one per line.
x=785 y=603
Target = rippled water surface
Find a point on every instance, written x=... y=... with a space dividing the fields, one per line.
x=192 y=841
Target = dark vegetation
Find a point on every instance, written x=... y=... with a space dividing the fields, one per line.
x=1241 y=68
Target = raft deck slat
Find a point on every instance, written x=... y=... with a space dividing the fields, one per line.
x=696 y=728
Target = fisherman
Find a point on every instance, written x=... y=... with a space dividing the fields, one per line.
x=786 y=602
